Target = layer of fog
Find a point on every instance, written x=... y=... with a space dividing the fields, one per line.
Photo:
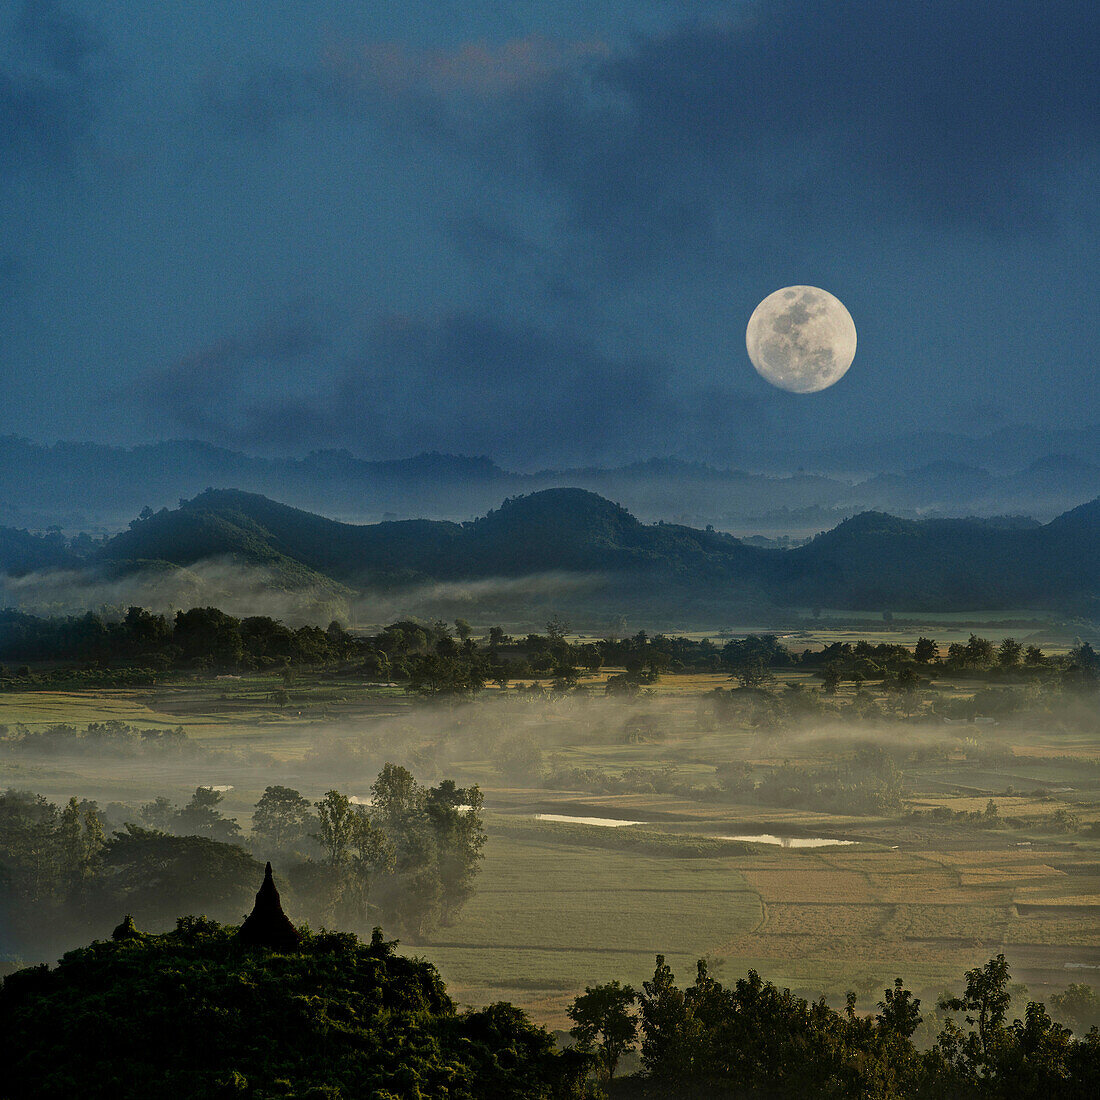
x=517 y=743
x=245 y=590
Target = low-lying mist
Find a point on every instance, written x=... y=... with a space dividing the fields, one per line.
x=244 y=590
x=690 y=765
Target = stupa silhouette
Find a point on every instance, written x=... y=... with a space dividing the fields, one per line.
x=267 y=925
x=126 y=930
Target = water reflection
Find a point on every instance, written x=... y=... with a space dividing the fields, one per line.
x=788 y=841
x=609 y=822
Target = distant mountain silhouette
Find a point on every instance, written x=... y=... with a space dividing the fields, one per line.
x=95 y=487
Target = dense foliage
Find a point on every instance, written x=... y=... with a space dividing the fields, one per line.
x=753 y=1039
x=195 y=1014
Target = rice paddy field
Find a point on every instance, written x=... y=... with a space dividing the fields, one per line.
x=563 y=903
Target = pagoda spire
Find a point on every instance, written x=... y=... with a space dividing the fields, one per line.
x=267 y=925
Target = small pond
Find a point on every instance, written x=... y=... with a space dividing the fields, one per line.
x=789 y=841
x=609 y=822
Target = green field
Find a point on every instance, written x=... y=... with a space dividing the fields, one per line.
x=561 y=906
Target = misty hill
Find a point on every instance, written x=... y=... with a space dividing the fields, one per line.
x=83 y=486
x=567 y=530
x=252 y=529
x=873 y=561
x=22 y=552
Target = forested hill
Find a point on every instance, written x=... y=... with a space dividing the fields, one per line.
x=567 y=530
x=872 y=561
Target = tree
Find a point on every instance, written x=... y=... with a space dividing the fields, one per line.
x=750 y=659
x=205 y=633
x=985 y=1000
x=156 y=876
x=192 y=1014
x=396 y=798
x=753 y=674
x=1078 y=1006
x=926 y=650
x=979 y=652
x=80 y=842
x=282 y=818
x=438 y=674
x=201 y=817
x=602 y=1019
x=412 y=894
x=832 y=677
x=463 y=629
x=373 y=855
x=337 y=824
x=456 y=819
x=669 y=1034
x=1086 y=657
x=556 y=629
x=591 y=657
x=1009 y=653
x=899 y=1011
x=566 y=677
x=159 y=814
x=908 y=682
x=372 y=847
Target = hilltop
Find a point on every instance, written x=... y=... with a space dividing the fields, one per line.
x=195 y=1012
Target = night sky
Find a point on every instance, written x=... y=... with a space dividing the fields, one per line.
x=536 y=231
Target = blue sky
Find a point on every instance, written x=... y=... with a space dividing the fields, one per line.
x=537 y=230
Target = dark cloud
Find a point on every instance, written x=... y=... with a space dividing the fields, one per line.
x=208 y=390
x=460 y=383
x=13 y=283
x=49 y=91
x=63 y=39
x=436 y=91
x=812 y=116
x=258 y=102
x=951 y=107
x=489 y=238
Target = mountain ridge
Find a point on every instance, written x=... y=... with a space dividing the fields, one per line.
x=871 y=561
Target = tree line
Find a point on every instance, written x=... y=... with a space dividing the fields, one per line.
x=438 y=659
x=755 y=1039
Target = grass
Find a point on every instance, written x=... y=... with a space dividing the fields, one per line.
x=548 y=919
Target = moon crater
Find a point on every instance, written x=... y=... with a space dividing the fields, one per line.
x=801 y=339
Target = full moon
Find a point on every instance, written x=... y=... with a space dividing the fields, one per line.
x=801 y=339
